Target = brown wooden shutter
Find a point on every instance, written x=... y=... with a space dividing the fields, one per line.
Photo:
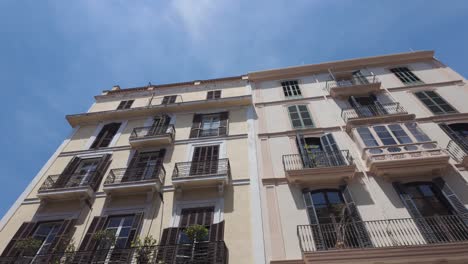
x=217 y=232
x=196 y=124
x=130 y=168
x=197 y=216
x=451 y=197
x=26 y=229
x=89 y=243
x=106 y=135
x=358 y=224
x=167 y=245
x=223 y=125
x=100 y=171
x=136 y=226
x=422 y=225
x=67 y=172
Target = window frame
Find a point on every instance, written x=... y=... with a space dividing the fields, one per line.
x=96 y=138
x=300 y=117
x=293 y=91
x=171 y=99
x=213 y=95
x=403 y=126
x=434 y=103
x=126 y=104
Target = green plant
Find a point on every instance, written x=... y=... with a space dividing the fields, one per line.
x=144 y=248
x=105 y=238
x=28 y=246
x=196 y=232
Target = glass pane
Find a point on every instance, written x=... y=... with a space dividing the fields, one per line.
x=124 y=232
x=318 y=198
x=417 y=132
x=400 y=134
x=384 y=135
x=114 y=222
x=334 y=197
x=367 y=137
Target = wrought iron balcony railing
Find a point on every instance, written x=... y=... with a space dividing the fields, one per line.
x=150 y=132
x=458 y=150
x=384 y=233
x=54 y=182
x=220 y=167
x=200 y=253
x=372 y=111
x=135 y=175
x=352 y=81
x=318 y=159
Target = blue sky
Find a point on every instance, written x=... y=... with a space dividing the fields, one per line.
x=56 y=55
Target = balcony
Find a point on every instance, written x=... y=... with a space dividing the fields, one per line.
x=152 y=136
x=459 y=152
x=75 y=186
x=202 y=174
x=203 y=252
x=374 y=114
x=319 y=167
x=404 y=160
x=135 y=180
x=437 y=239
x=353 y=85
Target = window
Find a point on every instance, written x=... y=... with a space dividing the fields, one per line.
x=46 y=233
x=84 y=172
x=206 y=125
x=205 y=160
x=291 y=89
x=427 y=199
x=328 y=206
x=418 y=134
x=213 y=95
x=405 y=75
x=300 y=116
x=125 y=104
x=170 y=99
x=367 y=137
x=106 y=135
x=435 y=102
x=144 y=166
x=120 y=226
x=392 y=134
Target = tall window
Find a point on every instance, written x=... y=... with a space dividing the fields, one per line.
x=392 y=134
x=213 y=95
x=435 y=102
x=169 y=99
x=205 y=160
x=84 y=172
x=46 y=233
x=300 y=116
x=405 y=75
x=291 y=89
x=125 y=104
x=206 y=125
x=427 y=199
x=329 y=206
x=145 y=166
x=106 y=135
x=119 y=226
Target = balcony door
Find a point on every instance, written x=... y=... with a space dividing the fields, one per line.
x=160 y=124
x=319 y=152
x=367 y=106
x=84 y=172
x=144 y=166
x=46 y=233
x=205 y=160
x=458 y=133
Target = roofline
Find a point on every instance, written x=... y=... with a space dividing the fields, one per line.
x=341 y=65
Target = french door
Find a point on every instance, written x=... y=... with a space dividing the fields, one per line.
x=205 y=160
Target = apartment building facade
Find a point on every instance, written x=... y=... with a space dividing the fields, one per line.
x=363 y=161
x=355 y=161
x=143 y=162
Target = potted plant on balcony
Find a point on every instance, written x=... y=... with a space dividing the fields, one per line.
x=196 y=233
x=143 y=249
x=106 y=239
x=28 y=246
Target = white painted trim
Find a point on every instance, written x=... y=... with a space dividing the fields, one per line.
x=6 y=218
x=221 y=143
x=256 y=220
x=217 y=203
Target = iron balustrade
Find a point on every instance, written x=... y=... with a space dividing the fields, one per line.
x=352 y=81
x=317 y=159
x=139 y=174
x=372 y=111
x=384 y=233
x=458 y=150
x=199 y=253
x=153 y=131
x=220 y=167
x=53 y=182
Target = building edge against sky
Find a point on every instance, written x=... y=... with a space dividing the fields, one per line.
x=281 y=166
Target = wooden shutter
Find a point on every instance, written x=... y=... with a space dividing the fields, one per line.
x=301 y=146
x=168 y=245
x=165 y=100
x=106 y=135
x=196 y=124
x=197 y=216
x=452 y=198
x=361 y=230
x=217 y=232
x=100 y=171
x=64 y=236
x=422 y=225
x=67 y=172
x=89 y=243
x=26 y=229
x=332 y=151
x=136 y=226
x=121 y=105
x=223 y=125
x=313 y=219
